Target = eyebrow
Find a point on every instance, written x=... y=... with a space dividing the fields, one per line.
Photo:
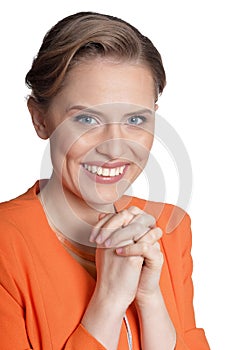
x=91 y=110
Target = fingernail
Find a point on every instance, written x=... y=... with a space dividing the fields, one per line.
x=99 y=239
x=91 y=239
x=119 y=250
x=107 y=243
x=92 y=236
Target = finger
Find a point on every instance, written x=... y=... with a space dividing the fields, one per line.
x=120 y=219
x=141 y=248
x=133 y=233
x=125 y=217
x=103 y=219
x=102 y=215
x=103 y=230
x=126 y=235
x=145 y=222
x=152 y=254
x=145 y=219
x=136 y=222
x=135 y=210
x=152 y=236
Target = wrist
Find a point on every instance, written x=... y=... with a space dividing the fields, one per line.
x=103 y=320
x=156 y=326
x=108 y=304
x=151 y=300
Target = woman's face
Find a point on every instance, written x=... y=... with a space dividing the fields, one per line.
x=101 y=128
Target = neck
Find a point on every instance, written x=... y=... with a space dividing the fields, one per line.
x=68 y=213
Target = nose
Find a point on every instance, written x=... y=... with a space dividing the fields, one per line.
x=114 y=143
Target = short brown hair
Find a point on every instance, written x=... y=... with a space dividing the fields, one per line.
x=83 y=36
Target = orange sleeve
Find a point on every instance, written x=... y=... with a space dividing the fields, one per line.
x=193 y=338
x=13 y=329
x=81 y=339
x=177 y=243
x=12 y=323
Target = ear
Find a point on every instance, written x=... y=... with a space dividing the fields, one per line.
x=38 y=119
x=156 y=107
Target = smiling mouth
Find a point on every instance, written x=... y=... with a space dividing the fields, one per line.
x=104 y=171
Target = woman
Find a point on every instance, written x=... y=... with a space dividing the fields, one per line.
x=82 y=265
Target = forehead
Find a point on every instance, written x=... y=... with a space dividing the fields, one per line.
x=101 y=82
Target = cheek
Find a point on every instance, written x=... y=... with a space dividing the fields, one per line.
x=81 y=148
x=145 y=140
x=149 y=142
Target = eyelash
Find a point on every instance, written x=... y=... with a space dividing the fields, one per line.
x=143 y=119
x=79 y=118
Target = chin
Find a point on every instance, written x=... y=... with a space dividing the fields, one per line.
x=102 y=198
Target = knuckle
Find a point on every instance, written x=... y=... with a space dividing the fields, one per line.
x=149 y=218
x=156 y=233
x=152 y=235
x=152 y=219
x=161 y=257
x=135 y=260
x=135 y=210
x=138 y=226
x=144 y=247
x=158 y=260
x=104 y=231
x=159 y=232
x=157 y=245
x=124 y=213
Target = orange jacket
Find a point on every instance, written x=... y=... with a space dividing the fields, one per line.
x=44 y=291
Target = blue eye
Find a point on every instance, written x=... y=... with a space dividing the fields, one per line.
x=136 y=120
x=86 y=120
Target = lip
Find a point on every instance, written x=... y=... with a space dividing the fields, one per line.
x=106 y=179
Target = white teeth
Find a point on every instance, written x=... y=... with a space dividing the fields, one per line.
x=122 y=169
x=104 y=171
x=94 y=169
x=99 y=171
x=112 y=172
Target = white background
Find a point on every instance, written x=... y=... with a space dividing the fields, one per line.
x=195 y=40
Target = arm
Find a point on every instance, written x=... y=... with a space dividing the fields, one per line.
x=103 y=319
x=156 y=328
x=17 y=332
x=180 y=266
x=23 y=327
x=157 y=331
x=117 y=280
x=14 y=334
x=177 y=249
x=12 y=323
x=194 y=337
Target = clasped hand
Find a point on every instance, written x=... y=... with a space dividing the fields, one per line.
x=128 y=256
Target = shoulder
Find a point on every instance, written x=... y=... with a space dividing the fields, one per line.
x=16 y=214
x=174 y=221
x=168 y=216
